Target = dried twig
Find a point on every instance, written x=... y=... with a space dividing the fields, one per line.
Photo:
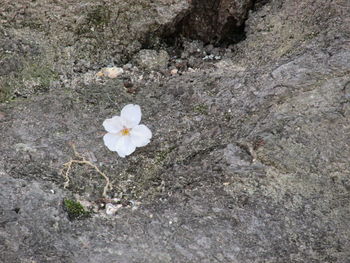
x=81 y=160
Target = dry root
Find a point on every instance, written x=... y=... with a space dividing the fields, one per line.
x=81 y=160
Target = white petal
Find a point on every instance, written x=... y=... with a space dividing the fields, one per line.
x=140 y=135
x=124 y=146
x=113 y=125
x=132 y=114
x=111 y=141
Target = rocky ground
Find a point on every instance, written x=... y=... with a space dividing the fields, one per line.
x=249 y=104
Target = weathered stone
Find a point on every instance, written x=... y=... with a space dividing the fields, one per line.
x=151 y=59
x=249 y=160
x=110 y=72
x=9 y=65
x=214 y=21
x=82 y=35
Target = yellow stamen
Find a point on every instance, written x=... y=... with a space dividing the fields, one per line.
x=125 y=131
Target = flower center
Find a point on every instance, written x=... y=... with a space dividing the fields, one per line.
x=125 y=132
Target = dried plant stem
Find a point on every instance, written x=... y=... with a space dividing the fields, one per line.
x=68 y=166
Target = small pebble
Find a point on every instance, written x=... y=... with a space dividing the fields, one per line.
x=127 y=66
x=174 y=71
x=112 y=72
x=112 y=209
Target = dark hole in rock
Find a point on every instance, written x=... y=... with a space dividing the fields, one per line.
x=217 y=22
x=258 y=4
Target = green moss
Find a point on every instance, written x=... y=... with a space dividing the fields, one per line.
x=5 y=91
x=150 y=184
x=34 y=78
x=75 y=210
x=99 y=16
x=201 y=109
x=41 y=73
x=32 y=24
x=162 y=155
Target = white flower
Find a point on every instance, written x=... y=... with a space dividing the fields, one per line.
x=125 y=133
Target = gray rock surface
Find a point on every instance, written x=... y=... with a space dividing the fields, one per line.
x=213 y=20
x=250 y=156
x=149 y=59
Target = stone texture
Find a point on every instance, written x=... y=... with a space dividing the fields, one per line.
x=249 y=161
x=68 y=37
x=148 y=59
x=213 y=21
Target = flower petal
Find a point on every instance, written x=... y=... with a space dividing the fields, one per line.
x=111 y=141
x=140 y=135
x=124 y=146
x=132 y=114
x=113 y=125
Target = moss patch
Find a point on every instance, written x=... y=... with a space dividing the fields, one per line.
x=201 y=109
x=96 y=19
x=162 y=155
x=41 y=74
x=5 y=91
x=75 y=210
x=99 y=16
x=33 y=79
